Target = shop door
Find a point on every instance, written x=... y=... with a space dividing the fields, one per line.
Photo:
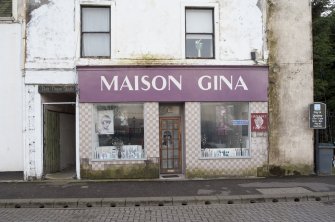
x=51 y=151
x=170 y=145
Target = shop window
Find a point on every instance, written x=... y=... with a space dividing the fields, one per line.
x=225 y=130
x=95 y=32
x=199 y=36
x=119 y=132
x=6 y=8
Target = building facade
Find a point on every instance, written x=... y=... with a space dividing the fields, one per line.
x=11 y=76
x=150 y=89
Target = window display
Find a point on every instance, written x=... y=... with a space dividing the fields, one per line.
x=225 y=129
x=119 y=132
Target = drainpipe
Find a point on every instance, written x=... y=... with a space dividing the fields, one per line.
x=21 y=16
x=24 y=35
x=77 y=136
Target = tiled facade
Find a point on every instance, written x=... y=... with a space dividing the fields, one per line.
x=194 y=165
x=151 y=137
x=197 y=166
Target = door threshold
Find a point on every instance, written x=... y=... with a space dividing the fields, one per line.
x=63 y=175
x=172 y=176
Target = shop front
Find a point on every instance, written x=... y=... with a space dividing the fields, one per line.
x=169 y=121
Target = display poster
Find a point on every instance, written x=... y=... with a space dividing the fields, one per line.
x=105 y=123
x=259 y=122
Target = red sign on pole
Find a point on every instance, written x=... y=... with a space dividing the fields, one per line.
x=259 y=122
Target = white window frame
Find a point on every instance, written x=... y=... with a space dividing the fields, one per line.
x=82 y=32
x=92 y=3
x=14 y=13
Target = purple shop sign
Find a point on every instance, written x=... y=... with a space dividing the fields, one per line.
x=172 y=84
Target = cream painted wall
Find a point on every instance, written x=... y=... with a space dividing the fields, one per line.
x=11 y=112
x=142 y=32
x=291 y=84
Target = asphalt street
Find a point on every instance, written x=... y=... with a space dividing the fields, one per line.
x=78 y=194
x=164 y=188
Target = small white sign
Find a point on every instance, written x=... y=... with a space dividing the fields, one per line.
x=317 y=106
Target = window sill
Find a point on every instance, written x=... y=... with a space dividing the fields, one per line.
x=7 y=19
x=201 y=58
x=225 y=157
x=117 y=160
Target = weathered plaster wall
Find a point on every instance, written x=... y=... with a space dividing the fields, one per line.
x=51 y=36
x=291 y=84
x=49 y=59
x=11 y=138
x=148 y=32
x=238 y=29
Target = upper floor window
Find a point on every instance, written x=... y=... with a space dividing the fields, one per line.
x=6 y=8
x=95 y=32
x=199 y=36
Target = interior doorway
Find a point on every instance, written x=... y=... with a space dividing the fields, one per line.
x=59 y=131
x=59 y=141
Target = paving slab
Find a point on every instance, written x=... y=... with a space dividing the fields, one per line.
x=283 y=191
x=89 y=202
x=136 y=201
x=207 y=200
x=18 y=203
x=186 y=200
x=41 y=203
x=113 y=202
x=160 y=201
x=66 y=203
x=233 y=199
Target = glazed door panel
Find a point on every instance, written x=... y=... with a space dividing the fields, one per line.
x=170 y=145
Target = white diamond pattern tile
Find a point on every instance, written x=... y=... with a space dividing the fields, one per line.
x=151 y=129
x=231 y=166
x=85 y=125
x=258 y=107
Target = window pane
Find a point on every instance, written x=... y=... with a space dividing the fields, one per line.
x=95 y=20
x=176 y=153
x=199 y=46
x=199 y=21
x=119 y=132
x=225 y=129
x=6 y=8
x=96 y=44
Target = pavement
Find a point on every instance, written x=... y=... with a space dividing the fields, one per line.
x=69 y=193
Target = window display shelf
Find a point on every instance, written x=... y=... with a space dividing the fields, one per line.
x=225 y=152
x=125 y=152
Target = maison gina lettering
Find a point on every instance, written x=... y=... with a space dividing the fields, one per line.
x=171 y=82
